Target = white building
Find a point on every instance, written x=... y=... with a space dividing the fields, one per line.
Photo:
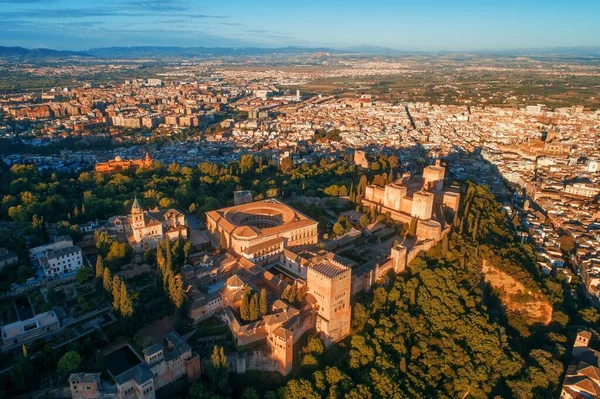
x=57 y=258
x=66 y=260
x=20 y=332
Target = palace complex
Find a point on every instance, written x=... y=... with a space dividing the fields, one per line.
x=119 y=164
x=270 y=246
x=421 y=202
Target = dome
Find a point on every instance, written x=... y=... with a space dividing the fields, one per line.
x=234 y=283
x=118 y=158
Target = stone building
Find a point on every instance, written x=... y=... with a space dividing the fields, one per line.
x=85 y=385
x=582 y=379
x=329 y=281
x=360 y=159
x=422 y=202
x=155 y=224
x=119 y=164
x=162 y=364
x=23 y=331
x=242 y=197
x=261 y=229
x=264 y=240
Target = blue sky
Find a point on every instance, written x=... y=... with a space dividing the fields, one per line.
x=403 y=25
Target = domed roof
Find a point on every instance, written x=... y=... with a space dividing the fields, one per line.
x=118 y=158
x=234 y=282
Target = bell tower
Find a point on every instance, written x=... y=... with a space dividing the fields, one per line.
x=137 y=215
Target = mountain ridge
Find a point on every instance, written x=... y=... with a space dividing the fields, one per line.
x=132 y=52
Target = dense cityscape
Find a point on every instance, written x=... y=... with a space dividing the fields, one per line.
x=295 y=222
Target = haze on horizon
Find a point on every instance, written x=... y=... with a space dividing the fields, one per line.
x=427 y=25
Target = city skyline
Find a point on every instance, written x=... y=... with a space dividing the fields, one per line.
x=432 y=26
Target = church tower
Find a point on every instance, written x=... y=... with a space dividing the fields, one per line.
x=137 y=216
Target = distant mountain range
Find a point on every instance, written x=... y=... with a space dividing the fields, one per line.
x=158 y=51
x=199 y=52
x=38 y=53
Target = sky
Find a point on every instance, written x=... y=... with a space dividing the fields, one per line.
x=425 y=25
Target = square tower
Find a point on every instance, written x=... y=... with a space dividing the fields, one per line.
x=422 y=206
x=330 y=284
x=393 y=195
x=137 y=215
x=433 y=177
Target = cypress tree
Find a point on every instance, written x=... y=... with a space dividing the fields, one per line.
x=168 y=255
x=160 y=258
x=245 y=306
x=167 y=276
x=116 y=292
x=362 y=184
x=176 y=290
x=254 y=308
x=99 y=267
x=107 y=280
x=263 y=302
x=126 y=307
x=187 y=247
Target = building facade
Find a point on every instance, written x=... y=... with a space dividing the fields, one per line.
x=260 y=229
x=421 y=202
x=120 y=165
x=155 y=224
x=57 y=259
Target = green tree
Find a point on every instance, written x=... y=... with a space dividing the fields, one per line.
x=84 y=274
x=70 y=362
x=263 y=302
x=99 y=267
x=126 y=305
x=107 y=280
x=254 y=308
x=218 y=370
x=103 y=242
x=364 y=221
x=176 y=291
x=250 y=393
x=116 y=292
x=245 y=305
x=338 y=229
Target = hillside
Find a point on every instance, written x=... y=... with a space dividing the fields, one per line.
x=38 y=53
x=516 y=298
x=437 y=331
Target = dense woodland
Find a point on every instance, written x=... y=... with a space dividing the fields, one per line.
x=87 y=196
x=437 y=330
